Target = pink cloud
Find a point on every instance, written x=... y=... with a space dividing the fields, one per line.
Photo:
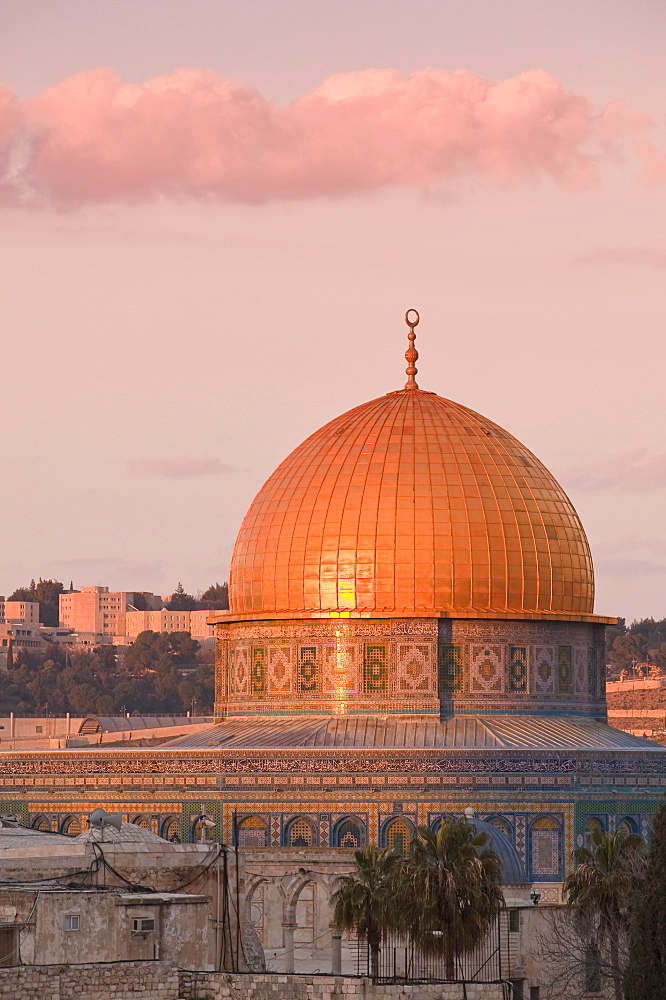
x=180 y=468
x=639 y=470
x=93 y=139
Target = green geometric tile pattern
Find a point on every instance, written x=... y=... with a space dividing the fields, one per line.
x=450 y=668
x=374 y=669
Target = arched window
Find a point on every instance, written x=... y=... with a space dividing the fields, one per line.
x=172 y=830
x=503 y=825
x=71 y=825
x=627 y=826
x=252 y=832
x=299 y=833
x=203 y=830
x=593 y=825
x=41 y=823
x=303 y=908
x=256 y=910
x=349 y=833
x=397 y=836
x=143 y=821
x=545 y=851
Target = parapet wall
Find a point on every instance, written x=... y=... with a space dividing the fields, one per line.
x=115 y=981
x=226 y=986
x=160 y=981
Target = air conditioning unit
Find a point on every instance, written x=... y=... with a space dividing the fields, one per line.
x=142 y=926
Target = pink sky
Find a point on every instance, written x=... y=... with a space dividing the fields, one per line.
x=216 y=214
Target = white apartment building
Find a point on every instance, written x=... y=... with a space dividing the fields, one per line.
x=193 y=622
x=19 y=612
x=99 y=610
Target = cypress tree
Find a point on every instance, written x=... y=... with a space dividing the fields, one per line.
x=645 y=978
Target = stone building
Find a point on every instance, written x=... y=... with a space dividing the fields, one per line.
x=187 y=896
x=47 y=925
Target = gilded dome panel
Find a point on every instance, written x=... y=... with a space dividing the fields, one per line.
x=411 y=503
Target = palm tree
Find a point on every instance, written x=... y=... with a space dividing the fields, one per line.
x=449 y=890
x=609 y=870
x=364 y=901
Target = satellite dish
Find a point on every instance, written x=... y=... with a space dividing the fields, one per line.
x=100 y=818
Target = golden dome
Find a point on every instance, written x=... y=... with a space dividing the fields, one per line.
x=411 y=504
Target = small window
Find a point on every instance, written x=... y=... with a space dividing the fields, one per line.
x=143 y=925
x=517 y=992
x=72 y=922
x=514 y=920
x=38 y=729
x=535 y=993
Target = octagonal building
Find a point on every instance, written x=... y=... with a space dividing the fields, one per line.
x=411 y=635
x=412 y=632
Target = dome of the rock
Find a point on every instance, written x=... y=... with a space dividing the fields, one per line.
x=412 y=504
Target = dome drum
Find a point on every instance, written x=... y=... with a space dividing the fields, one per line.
x=422 y=666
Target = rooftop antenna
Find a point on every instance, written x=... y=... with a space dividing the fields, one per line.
x=411 y=354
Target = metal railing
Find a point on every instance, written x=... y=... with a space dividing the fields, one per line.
x=400 y=960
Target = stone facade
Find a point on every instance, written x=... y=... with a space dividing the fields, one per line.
x=195 y=986
x=118 y=981
x=428 y=666
x=317 y=797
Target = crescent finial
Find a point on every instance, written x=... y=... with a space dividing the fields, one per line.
x=411 y=354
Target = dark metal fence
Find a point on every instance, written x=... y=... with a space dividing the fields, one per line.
x=401 y=961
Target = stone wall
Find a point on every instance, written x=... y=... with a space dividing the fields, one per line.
x=636 y=697
x=115 y=981
x=225 y=986
x=159 y=981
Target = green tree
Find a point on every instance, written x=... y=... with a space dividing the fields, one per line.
x=449 y=889
x=181 y=601
x=614 y=632
x=183 y=648
x=608 y=872
x=140 y=603
x=364 y=901
x=216 y=598
x=47 y=593
x=197 y=689
x=645 y=977
x=148 y=650
x=629 y=649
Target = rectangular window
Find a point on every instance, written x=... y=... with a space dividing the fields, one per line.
x=39 y=729
x=72 y=922
x=535 y=993
x=517 y=991
x=564 y=669
x=514 y=921
x=374 y=670
x=450 y=668
x=307 y=669
x=258 y=669
x=518 y=669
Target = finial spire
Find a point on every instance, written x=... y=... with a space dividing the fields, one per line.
x=411 y=354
